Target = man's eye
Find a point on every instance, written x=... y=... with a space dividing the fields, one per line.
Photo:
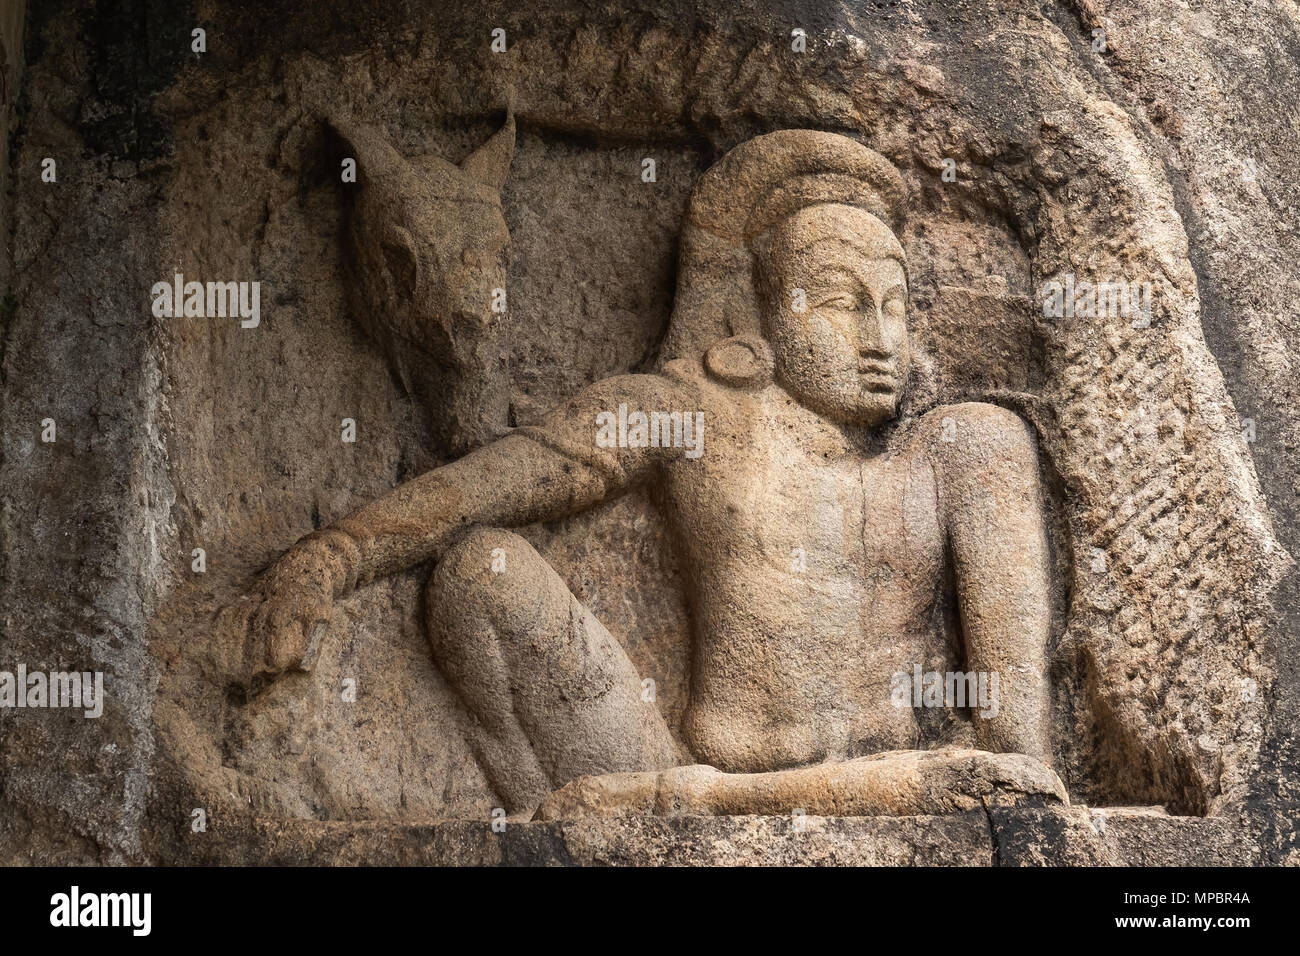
x=895 y=307
x=839 y=300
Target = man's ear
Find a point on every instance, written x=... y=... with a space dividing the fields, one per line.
x=742 y=361
x=490 y=163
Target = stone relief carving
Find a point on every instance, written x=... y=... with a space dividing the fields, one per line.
x=825 y=568
x=697 y=598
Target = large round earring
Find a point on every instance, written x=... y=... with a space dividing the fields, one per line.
x=742 y=361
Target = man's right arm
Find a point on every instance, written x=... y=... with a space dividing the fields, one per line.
x=537 y=473
x=512 y=481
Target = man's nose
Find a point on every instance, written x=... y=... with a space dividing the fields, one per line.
x=871 y=333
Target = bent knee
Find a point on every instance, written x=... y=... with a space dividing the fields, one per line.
x=491 y=576
x=482 y=552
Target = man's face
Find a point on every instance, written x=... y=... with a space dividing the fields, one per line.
x=845 y=355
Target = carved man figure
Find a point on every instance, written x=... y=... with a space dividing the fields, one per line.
x=823 y=557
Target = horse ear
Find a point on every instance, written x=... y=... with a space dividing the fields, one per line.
x=490 y=163
x=376 y=158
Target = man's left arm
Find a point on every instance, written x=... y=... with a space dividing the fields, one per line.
x=991 y=501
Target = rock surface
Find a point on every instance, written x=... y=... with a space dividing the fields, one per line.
x=1169 y=451
x=1061 y=837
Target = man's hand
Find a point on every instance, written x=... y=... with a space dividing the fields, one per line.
x=285 y=617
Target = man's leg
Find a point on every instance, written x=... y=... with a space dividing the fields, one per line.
x=896 y=783
x=554 y=694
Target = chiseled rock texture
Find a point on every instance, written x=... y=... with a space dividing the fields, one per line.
x=1165 y=156
x=1060 y=837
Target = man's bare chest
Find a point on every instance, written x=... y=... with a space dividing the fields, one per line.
x=783 y=512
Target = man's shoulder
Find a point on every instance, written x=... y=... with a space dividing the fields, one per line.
x=712 y=392
x=645 y=389
x=976 y=434
x=982 y=414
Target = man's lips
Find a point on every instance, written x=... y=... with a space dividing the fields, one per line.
x=877 y=375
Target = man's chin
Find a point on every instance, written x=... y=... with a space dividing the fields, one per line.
x=857 y=409
x=871 y=409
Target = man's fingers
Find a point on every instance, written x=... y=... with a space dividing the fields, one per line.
x=285 y=637
x=295 y=632
x=315 y=637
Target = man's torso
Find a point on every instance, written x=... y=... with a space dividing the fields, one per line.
x=816 y=574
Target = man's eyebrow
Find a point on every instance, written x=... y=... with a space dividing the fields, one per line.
x=898 y=287
x=836 y=271
x=837 y=275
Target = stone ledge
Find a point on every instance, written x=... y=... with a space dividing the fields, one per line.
x=1072 y=836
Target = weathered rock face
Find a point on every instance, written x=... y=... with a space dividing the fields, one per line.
x=1042 y=151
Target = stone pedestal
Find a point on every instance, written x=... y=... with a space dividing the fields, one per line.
x=1073 y=836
